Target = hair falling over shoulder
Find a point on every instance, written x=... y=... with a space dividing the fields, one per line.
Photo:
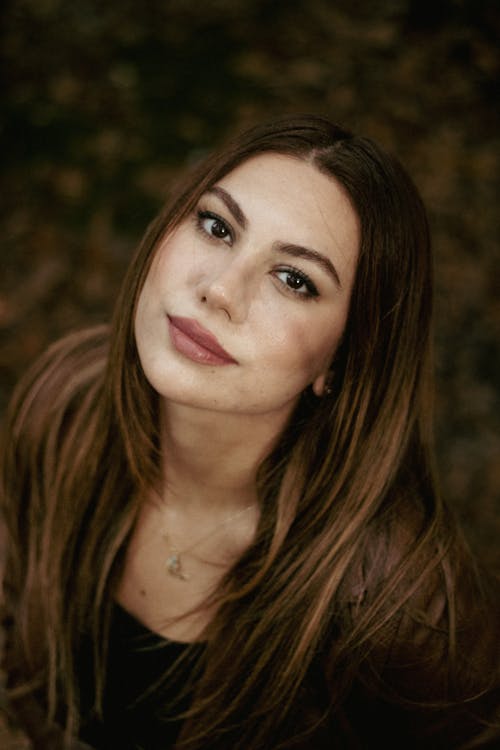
x=353 y=537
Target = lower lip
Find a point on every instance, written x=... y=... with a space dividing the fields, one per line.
x=193 y=350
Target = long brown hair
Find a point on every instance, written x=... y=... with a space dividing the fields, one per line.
x=350 y=468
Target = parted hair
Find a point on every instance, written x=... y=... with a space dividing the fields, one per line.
x=352 y=530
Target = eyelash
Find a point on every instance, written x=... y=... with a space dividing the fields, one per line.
x=311 y=289
x=291 y=271
x=202 y=216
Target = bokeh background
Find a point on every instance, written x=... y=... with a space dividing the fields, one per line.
x=103 y=101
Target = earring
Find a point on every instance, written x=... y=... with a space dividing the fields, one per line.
x=329 y=383
x=323 y=386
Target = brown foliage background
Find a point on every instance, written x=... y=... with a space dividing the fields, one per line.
x=104 y=101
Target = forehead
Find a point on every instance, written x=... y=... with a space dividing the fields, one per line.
x=292 y=176
x=291 y=197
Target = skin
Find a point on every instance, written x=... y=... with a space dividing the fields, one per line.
x=233 y=280
x=233 y=266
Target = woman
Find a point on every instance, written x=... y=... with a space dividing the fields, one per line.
x=223 y=525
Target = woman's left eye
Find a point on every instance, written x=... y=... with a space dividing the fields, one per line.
x=297 y=282
x=214 y=226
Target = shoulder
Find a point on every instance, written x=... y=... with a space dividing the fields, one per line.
x=419 y=576
x=428 y=619
x=64 y=368
x=55 y=398
x=401 y=553
x=56 y=380
x=51 y=415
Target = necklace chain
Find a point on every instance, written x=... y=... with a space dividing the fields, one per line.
x=174 y=563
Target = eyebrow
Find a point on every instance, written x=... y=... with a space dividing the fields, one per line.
x=231 y=204
x=295 y=251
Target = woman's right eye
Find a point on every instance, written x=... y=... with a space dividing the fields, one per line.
x=214 y=226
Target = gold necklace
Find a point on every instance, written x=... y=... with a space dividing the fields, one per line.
x=174 y=562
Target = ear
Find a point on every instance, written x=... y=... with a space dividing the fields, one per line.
x=319 y=384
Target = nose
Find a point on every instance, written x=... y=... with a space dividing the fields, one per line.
x=228 y=289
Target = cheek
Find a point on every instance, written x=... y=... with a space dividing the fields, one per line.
x=180 y=266
x=320 y=352
x=306 y=349
x=164 y=259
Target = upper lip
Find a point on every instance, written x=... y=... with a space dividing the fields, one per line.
x=198 y=333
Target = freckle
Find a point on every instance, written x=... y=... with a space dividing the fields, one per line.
x=142 y=592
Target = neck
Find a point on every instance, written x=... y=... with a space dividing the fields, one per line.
x=213 y=458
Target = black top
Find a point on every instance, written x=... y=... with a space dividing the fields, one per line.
x=144 y=697
x=141 y=706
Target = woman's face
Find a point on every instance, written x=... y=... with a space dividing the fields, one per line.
x=246 y=301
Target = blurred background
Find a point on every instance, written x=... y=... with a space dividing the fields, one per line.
x=104 y=101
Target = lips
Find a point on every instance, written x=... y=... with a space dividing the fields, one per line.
x=196 y=343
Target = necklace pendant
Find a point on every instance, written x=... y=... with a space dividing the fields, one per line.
x=174 y=567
